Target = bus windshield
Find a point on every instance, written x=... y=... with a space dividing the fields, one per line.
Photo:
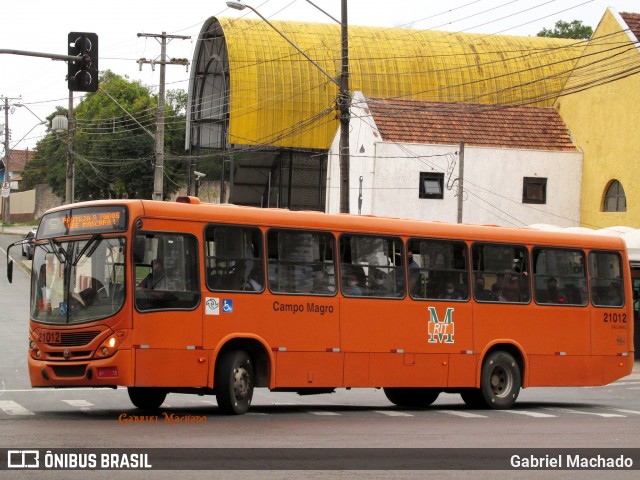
x=78 y=281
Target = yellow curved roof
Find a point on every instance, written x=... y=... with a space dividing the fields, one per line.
x=280 y=98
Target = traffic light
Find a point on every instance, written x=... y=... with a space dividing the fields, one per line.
x=82 y=75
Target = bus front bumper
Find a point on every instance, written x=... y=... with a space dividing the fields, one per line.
x=113 y=371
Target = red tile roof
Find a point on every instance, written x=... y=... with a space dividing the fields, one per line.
x=410 y=121
x=18 y=160
x=633 y=22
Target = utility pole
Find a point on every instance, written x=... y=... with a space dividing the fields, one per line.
x=6 y=205
x=460 y=181
x=69 y=184
x=344 y=102
x=158 y=175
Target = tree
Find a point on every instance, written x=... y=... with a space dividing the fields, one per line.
x=575 y=30
x=113 y=144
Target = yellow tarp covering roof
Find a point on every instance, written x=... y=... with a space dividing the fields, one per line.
x=277 y=97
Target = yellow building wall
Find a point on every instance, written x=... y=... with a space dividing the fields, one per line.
x=277 y=97
x=604 y=120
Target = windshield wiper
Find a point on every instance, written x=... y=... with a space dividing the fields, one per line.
x=90 y=247
x=58 y=251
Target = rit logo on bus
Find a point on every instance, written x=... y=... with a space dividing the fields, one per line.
x=441 y=331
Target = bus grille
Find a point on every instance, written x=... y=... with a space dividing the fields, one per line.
x=69 y=370
x=75 y=339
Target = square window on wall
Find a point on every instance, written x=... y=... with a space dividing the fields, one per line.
x=534 y=190
x=431 y=185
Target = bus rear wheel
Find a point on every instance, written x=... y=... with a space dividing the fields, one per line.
x=234 y=382
x=147 y=398
x=500 y=381
x=412 y=397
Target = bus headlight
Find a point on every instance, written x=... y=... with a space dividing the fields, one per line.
x=107 y=347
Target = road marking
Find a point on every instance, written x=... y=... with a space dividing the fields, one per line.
x=529 y=413
x=81 y=404
x=622 y=410
x=12 y=408
x=570 y=410
x=458 y=413
x=314 y=412
x=393 y=413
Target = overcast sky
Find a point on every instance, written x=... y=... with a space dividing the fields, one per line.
x=43 y=26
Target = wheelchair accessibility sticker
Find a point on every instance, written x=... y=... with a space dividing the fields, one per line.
x=227 y=305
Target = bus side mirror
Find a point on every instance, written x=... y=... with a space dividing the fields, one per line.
x=10 y=271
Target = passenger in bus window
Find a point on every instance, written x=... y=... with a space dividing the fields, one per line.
x=321 y=283
x=352 y=288
x=496 y=292
x=378 y=286
x=553 y=293
x=450 y=293
x=511 y=289
x=156 y=279
x=480 y=292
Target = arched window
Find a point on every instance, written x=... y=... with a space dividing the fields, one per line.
x=614 y=198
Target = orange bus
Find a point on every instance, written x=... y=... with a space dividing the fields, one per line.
x=187 y=297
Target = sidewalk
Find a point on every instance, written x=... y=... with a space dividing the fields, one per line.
x=16 y=230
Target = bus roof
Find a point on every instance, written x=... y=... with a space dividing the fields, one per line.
x=229 y=213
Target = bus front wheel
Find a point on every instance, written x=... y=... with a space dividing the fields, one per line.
x=412 y=397
x=500 y=381
x=147 y=398
x=234 y=382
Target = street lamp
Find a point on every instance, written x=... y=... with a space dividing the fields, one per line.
x=60 y=124
x=344 y=97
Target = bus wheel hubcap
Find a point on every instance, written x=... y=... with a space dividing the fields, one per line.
x=241 y=382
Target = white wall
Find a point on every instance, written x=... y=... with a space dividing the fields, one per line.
x=493 y=180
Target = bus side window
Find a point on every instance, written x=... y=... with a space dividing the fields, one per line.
x=301 y=262
x=371 y=266
x=605 y=270
x=233 y=258
x=559 y=276
x=437 y=269
x=177 y=286
x=506 y=266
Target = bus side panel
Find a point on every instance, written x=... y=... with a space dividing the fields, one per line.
x=616 y=367
x=556 y=370
x=356 y=370
x=462 y=370
x=161 y=367
x=408 y=370
x=611 y=331
x=309 y=369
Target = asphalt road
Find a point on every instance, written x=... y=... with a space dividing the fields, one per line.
x=553 y=418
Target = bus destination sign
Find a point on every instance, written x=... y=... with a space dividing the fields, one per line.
x=84 y=220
